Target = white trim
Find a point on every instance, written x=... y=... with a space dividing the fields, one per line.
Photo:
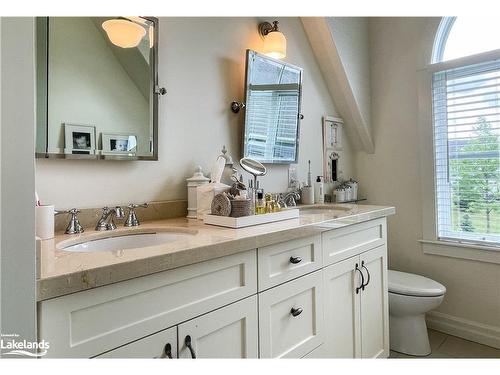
x=451 y=249
x=467 y=329
x=442 y=34
x=464 y=61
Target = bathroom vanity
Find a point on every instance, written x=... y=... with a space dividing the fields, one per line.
x=312 y=287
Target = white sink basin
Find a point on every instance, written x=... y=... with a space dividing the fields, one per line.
x=314 y=210
x=126 y=241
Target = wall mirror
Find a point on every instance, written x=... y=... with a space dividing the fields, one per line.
x=97 y=93
x=272 y=99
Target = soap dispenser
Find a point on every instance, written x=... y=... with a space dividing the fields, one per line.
x=319 y=193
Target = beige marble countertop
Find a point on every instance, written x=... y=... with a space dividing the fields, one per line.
x=61 y=272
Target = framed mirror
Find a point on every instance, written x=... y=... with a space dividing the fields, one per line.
x=97 y=93
x=272 y=113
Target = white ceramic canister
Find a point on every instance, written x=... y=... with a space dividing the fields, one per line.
x=44 y=221
x=340 y=195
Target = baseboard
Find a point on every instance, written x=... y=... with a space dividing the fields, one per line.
x=467 y=329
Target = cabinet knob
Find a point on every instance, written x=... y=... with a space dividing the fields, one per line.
x=296 y=311
x=295 y=260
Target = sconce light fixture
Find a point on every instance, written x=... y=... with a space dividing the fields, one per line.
x=274 y=40
x=124 y=33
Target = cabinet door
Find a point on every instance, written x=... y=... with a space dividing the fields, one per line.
x=291 y=318
x=342 y=309
x=229 y=332
x=160 y=345
x=374 y=305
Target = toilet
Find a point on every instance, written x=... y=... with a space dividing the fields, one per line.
x=410 y=297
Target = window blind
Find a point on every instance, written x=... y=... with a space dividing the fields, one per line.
x=466 y=116
x=271 y=128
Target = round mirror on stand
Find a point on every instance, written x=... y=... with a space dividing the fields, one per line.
x=255 y=169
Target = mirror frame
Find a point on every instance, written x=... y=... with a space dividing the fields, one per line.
x=250 y=52
x=42 y=28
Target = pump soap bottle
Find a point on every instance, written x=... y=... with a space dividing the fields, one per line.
x=319 y=193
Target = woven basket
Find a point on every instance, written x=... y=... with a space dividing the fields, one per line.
x=241 y=207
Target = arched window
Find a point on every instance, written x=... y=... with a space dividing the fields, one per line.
x=465 y=36
x=466 y=119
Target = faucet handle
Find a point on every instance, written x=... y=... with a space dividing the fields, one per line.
x=132 y=220
x=133 y=206
x=74 y=226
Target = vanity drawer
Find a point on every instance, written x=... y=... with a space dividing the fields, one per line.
x=149 y=347
x=288 y=260
x=343 y=243
x=283 y=335
x=92 y=322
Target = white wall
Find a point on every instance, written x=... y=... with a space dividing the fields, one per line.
x=202 y=65
x=400 y=46
x=17 y=199
x=88 y=85
x=352 y=41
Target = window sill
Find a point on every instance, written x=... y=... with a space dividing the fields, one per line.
x=462 y=251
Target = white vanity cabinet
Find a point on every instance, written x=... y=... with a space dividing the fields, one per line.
x=356 y=299
x=230 y=332
x=323 y=296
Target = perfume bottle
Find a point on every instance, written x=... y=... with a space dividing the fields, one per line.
x=260 y=205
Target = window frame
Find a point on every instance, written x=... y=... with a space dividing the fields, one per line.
x=430 y=242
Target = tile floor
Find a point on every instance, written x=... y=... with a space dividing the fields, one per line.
x=446 y=346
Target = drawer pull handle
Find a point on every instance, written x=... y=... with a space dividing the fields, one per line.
x=168 y=351
x=367 y=272
x=187 y=342
x=296 y=311
x=362 y=286
x=295 y=260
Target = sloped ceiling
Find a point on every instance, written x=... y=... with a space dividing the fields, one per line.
x=342 y=50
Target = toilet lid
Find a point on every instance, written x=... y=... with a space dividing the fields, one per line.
x=410 y=284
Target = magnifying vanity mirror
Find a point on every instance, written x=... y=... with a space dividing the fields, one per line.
x=97 y=93
x=272 y=103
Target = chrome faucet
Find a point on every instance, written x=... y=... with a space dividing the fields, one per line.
x=289 y=199
x=132 y=220
x=74 y=226
x=106 y=221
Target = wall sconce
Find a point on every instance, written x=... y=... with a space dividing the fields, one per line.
x=124 y=33
x=274 y=40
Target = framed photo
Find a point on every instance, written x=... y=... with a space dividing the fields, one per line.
x=119 y=144
x=332 y=132
x=79 y=139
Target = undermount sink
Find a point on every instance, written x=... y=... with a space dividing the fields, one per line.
x=313 y=210
x=125 y=241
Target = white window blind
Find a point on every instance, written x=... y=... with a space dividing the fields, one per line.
x=271 y=128
x=466 y=106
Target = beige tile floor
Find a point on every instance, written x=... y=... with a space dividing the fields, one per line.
x=446 y=346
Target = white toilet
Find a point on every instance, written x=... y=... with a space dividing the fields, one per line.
x=410 y=297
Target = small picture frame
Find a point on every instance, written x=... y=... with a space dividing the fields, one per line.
x=79 y=139
x=332 y=132
x=119 y=144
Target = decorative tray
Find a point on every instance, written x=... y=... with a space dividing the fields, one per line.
x=247 y=221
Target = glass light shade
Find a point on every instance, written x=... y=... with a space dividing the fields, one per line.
x=123 y=33
x=275 y=45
